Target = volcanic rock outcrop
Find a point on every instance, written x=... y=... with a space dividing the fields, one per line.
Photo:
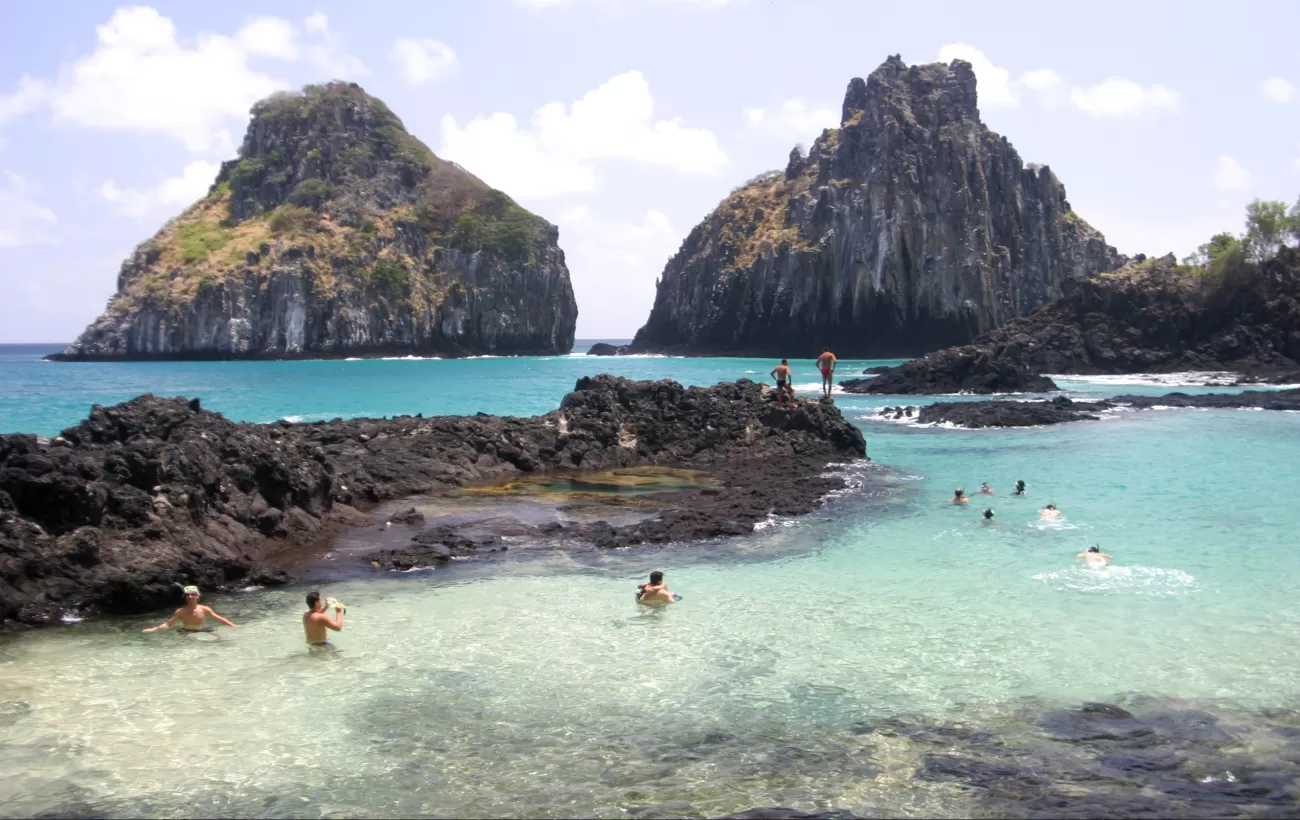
x=337 y=233
x=112 y=514
x=1151 y=316
x=909 y=228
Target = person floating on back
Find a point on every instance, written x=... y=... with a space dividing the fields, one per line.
x=826 y=364
x=193 y=616
x=1020 y=488
x=959 y=497
x=656 y=592
x=315 y=621
x=1095 y=558
x=783 y=383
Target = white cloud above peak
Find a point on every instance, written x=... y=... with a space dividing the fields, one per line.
x=1277 y=89
x=171 y=194
x=23 y=220
x=1120 y=97
x=1229 y=175
x=423 y=60
x=794 y=121
x=612 y=122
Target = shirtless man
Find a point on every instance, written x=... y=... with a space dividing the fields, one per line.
x=656 y=592
x=193 y=616
x=1095 y=558
x=826 y=364
x=315 y=621
x=959 y=497
x=985 y=489
x=1050 y=512
x=783 y=382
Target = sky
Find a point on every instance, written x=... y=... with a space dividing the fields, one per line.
x=624 y=122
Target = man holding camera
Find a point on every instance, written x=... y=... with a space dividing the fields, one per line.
x=315 y=620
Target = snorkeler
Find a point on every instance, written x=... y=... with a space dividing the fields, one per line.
x=988 y=514
x=1095 y=558
x=985 y=489
x=784 y=383
x=315 y=621
x=1020 y=488
x=656 y=592
x=193 y=616
x=959 y=497
x=1050 y=512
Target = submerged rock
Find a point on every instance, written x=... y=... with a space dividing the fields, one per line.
x=148 y=495
x=910 y=227
x=335 y=232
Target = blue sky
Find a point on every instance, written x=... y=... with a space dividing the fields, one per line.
x=622 y=121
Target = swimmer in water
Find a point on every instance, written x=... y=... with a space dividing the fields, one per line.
x=959 y=497
x=1020 y=488
x=1095 y=558
x=988 y=515
x=656 y=592
x=1050 y=512
x=985 y=489
x=193 y=616
x=315 y=621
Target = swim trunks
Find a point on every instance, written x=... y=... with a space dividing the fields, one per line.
x=194 y=631
x=826 y=372
x=780 y=384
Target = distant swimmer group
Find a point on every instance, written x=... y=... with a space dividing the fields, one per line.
x=959 y=496
x=316 y=621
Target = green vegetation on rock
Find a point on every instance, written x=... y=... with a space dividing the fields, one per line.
x=1269 y=228
x=199 y=239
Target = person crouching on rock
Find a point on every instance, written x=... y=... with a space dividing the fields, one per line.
x=959 y=497
x=656 y=592
x=315 y=621
x=193 y=616
x=783 y=382
x=826 y=364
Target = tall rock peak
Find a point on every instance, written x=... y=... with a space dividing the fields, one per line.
x=909 y=228
x=336 y=232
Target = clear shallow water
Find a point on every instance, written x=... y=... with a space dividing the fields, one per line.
x=536 y=687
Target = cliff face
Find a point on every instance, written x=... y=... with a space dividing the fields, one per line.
x=911 y=227
x=337 y=233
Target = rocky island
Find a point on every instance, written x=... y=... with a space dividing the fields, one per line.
x=1150 y=316
x=909 y=228
x=337 y=233
x=112 y=514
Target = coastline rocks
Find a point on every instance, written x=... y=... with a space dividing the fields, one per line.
x=603 y=349
x=908 y=228
x=973 y=369
x=154 y=493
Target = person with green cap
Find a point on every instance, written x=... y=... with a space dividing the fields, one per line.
x=193 y=616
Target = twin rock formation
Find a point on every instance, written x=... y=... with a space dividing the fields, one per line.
x=336 y=233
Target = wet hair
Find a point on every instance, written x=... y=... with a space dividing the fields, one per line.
x=1020 y=483
x=1051 y=506
x=785 y=361
x=656 y=577
x=1094 y=548
x=313 y=598
x=957 y=492
x=826 y=350
x=988 y=513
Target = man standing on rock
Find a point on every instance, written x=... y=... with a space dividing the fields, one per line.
x=193 y=616
x=826 y=364
x=783 y=382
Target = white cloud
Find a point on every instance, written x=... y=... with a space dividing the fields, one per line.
x=1277 y=89
x=23 y=220
x=140 y=77
x=614 y=265
x=794 y=121
x=614 y=121
x=269 y=37
x=424 y=60
x=1120 y=97
x=171 y=194
x=1230 y=175
x=994 y=83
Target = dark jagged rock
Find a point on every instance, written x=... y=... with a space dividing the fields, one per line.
x=1148 y=317
x=910 y=227
x=956 y=370
x=114 y=513
x=978 y=414
x=603 y=349
x=877 y=370
x=336 y=233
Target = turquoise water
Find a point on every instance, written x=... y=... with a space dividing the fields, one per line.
x=535 y=688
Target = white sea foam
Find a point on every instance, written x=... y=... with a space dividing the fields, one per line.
x=1191 y=378
x=1140 y=580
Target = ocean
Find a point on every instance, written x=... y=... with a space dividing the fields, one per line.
x=535 y=687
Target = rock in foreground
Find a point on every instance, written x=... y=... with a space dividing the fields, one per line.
x=112 y=514
x=337 y=233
